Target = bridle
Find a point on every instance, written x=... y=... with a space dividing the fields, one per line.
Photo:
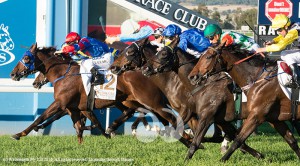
x=216 y=53
x=168 y=63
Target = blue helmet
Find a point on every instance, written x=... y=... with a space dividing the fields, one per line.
x=171 y=30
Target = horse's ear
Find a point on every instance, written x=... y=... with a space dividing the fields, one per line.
x=33 y=47
x=1 y=26
x=222 y=45
x=175 y=41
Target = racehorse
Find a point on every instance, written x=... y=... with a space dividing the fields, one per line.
x=6 y=42
x=182 y=97
x=69 y=92
x=41 y=80
x=266 y=100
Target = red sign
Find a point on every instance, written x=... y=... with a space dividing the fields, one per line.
x=274 y=7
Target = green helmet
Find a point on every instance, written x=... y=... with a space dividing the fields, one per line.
x=211 y=30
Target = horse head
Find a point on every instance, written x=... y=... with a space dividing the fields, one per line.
x=131 y=58
x=209 y=63
x=165 y=60
x=25 y=66
x=6 y=42
x=33 y=60
x=39 y=81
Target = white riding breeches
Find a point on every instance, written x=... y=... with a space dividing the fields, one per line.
x=291 y=56
x=101 y=63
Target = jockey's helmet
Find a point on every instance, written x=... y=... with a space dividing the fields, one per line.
x=129 y=26
x=72 y=37
x=280 y=21
x=211 y=30
x=158 y=31
x=171 y=30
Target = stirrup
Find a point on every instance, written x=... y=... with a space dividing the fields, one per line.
x=99 y=79
x=294 y=84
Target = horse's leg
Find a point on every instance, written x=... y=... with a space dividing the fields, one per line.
x=76 y=117
x=50 y=111
x=120 y=120
x=231 y=132
x=57 y=116
x=284 y=131
x=217 y=136
x=145 y=122
x=90 y=115
x=172 y=118
x=248 y=127
x=136 y=122
x=204 y=121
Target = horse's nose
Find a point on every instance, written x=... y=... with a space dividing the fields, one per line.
x=12 y=75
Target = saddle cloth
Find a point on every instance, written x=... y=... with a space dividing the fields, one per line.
x=284 y=78
x=107 y=91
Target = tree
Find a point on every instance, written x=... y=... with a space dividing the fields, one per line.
x=250 y=16
x=203 y=10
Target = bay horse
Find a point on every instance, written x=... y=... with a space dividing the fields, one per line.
x=182 y=97
x=266 y=100
x=69 y=92
x=41 y=80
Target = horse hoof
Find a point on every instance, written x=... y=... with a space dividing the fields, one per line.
x=148 y=128
x=133 y=132
x=15 y=137
x=36 y=129
x=201 y=146
x=224 y=149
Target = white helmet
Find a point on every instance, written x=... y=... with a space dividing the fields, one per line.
x=158 y=31
x=129 y=27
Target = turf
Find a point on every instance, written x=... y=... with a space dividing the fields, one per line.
x=126 y=150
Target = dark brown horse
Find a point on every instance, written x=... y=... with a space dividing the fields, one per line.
x=207 y=105
x=266 y=100
x=41 y=80
x=69 y=92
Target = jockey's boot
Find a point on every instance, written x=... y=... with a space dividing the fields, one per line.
x=296 y=74
x=98 y=78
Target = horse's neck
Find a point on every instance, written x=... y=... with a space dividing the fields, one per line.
x=243 y=73
x=171 y=85
x=185 y=69
x=56 y=68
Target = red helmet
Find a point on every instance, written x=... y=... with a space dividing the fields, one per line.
x=72 y=37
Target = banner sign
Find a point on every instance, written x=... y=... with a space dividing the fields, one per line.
x=175 y=13
x=17 y=30
x=269 y=8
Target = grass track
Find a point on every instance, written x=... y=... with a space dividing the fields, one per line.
x=135 y=152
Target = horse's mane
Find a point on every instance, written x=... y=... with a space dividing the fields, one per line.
x=47 y=50
x=189 y=57
x=50 y=52
x=243 y=53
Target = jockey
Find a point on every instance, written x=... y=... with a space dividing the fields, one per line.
x=158 y=38
x=170 y=32
x=214 y=33
x=193 y=42
x=287 y=34
x=95 y=54
x=133 y=31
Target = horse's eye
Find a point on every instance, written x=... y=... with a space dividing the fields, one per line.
x=164 y=54
x=26 y=59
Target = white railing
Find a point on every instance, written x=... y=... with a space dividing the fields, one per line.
x=8 y=85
